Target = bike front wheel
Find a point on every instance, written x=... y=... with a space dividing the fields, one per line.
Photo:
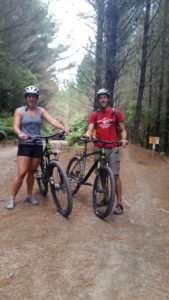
x=60 y=188
x=103 y=192
x=41 y=179
x=74 y=170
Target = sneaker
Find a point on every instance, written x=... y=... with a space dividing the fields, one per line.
x=31 y=200
x=118 y=210
x=103 y=202
x=10 y=203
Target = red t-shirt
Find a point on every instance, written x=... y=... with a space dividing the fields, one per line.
x=105 y=125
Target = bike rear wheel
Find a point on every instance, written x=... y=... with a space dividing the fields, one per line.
x=74 y=171
x=41 y=180
x=103 y=192
x=60 y=188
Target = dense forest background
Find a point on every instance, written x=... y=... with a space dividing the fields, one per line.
x=129 y=55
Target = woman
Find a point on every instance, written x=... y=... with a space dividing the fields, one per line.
x=27 y=121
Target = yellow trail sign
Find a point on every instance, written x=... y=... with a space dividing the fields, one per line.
x=154 y=140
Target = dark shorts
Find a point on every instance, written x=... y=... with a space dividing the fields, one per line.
x=35 y=151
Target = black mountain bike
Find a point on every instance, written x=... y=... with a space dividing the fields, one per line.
x=51 y=172
x=104 y=184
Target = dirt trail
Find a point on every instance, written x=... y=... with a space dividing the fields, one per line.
x=45 y=256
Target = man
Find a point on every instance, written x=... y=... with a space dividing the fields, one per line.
x=104 y=121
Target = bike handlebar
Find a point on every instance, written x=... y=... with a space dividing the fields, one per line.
x=95 y=140
x=59 y=134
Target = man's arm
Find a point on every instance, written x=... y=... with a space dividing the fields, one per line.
x=89 y=131
x=123 y=134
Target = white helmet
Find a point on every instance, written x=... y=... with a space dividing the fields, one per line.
x=102 y=92
x=33 y=90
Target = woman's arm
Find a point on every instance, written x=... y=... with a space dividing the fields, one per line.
x=16 y=121
x=16 y=125
x=49 y=119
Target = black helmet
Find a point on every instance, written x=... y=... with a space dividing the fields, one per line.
x=102 y=92
x=33 y=90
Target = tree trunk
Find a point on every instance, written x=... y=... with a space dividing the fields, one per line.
x=143 y=72
x=162 y=65
x=166 y=133
x=112 y=19
x=99 y=46
x=149 y=103
x=166 y=126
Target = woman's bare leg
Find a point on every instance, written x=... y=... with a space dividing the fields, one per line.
x=22 y=168
x=30 y=176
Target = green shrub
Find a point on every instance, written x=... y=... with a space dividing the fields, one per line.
x=78 y=127
x=6 y=126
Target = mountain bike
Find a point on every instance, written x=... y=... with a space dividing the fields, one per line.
x=51 y=172
x=104 y=184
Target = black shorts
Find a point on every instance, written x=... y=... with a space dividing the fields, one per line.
x=35 y=151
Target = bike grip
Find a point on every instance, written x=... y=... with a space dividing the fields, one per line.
x=33 y=138
x=30 y=138
x=61 y=134
x=87 y=140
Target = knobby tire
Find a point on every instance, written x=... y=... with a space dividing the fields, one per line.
x=42 y=182
x=74 y=171
x=60 y=188
x=104 y=174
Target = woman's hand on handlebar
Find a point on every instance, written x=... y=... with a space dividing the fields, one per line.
x=66 y=130
x=23 y=136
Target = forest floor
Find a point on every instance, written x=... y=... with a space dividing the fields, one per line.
x=44 y=256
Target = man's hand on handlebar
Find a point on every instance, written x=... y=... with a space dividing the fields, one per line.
x=87 y=135
x=124 y=143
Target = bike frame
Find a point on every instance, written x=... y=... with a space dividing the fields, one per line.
x=46 y=158
x=101 y=160
x=95 y=165
x=47 y=152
